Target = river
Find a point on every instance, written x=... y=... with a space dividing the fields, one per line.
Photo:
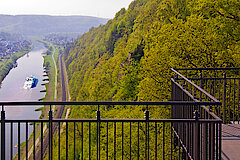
x=12 y=90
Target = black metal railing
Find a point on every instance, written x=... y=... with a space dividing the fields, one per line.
x=109 y=138
x=205 y=135
x=221 y=83
x=187 y=127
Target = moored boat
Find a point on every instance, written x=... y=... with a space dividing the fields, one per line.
x=30 y=82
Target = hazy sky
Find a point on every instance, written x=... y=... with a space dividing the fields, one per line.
x=98 y=8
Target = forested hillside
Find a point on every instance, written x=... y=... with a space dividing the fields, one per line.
x=130 y=57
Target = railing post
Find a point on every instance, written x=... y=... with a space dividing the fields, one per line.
x=147 y=134
x=2 y=133
x=200 y=96
x=196 y=144
x=98 y=131
x=98 y=114
x=172 y=97
x=50 y=132
x=147 y=114
x=224 y=98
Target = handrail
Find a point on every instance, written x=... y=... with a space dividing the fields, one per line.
x=196 y=100
x=209 y=78
x=114 y=120
x=196 y=86
x=227 y=68
x=5 y=103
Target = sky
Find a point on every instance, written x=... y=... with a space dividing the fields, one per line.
x=96 y=8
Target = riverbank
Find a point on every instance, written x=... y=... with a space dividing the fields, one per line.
x=12 y=90
x=51 y=71
x=7 y=64
x=55 y=91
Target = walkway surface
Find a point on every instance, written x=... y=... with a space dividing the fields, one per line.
x=231 y=141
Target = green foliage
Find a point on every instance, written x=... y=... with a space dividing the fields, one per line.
x=7 y=64
x=130 y=57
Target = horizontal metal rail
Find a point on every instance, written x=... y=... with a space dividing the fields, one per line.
x=209 y=78
x=115 y=120
x=108 y=103
x=221 y=83
x=227 y=68
x=97 y=134
x=196 y=86
x=203 y=106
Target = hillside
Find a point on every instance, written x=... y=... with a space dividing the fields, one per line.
x=43 y=24
x=130 y=57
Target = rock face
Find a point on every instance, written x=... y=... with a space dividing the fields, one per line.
x=43 y=24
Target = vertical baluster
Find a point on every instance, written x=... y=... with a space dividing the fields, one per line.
x=99 y=140
x=74 y=140
x=147 y=133
x=213 y=141
x=98 y=132
x=11 y=141
x=238 y=100
x=201 y=140
x=214 y=94
x=130 y=151
x=41 y=140
x=171 y=140
x=163 y=140
x=217 y=142
x=210 y=87
x=50 y=132
x=224 y=98
x=220 y=140
x=107 y=143
x=229 y=103
x=122 y=140
x=206 y=89
x=26 y=140
x=66 y=140
x=219 y=97
x=114 y=146
x=89 y=140
x=19 y=143
x=146 y=141
x=59 y=141
x=214 y=88
x=138 y=143
x=210 y=141
x=200 y=96
x=3 y=133
x=156 y=141
x=82 y=139
x=34 y=140
x=234 y=88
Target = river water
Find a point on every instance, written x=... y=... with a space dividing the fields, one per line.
x=12 y=90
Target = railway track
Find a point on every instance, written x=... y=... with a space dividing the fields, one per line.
x=42 y=150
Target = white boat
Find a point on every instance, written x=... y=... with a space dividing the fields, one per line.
x=30 y=82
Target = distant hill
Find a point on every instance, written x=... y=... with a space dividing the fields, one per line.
x=43 y=24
